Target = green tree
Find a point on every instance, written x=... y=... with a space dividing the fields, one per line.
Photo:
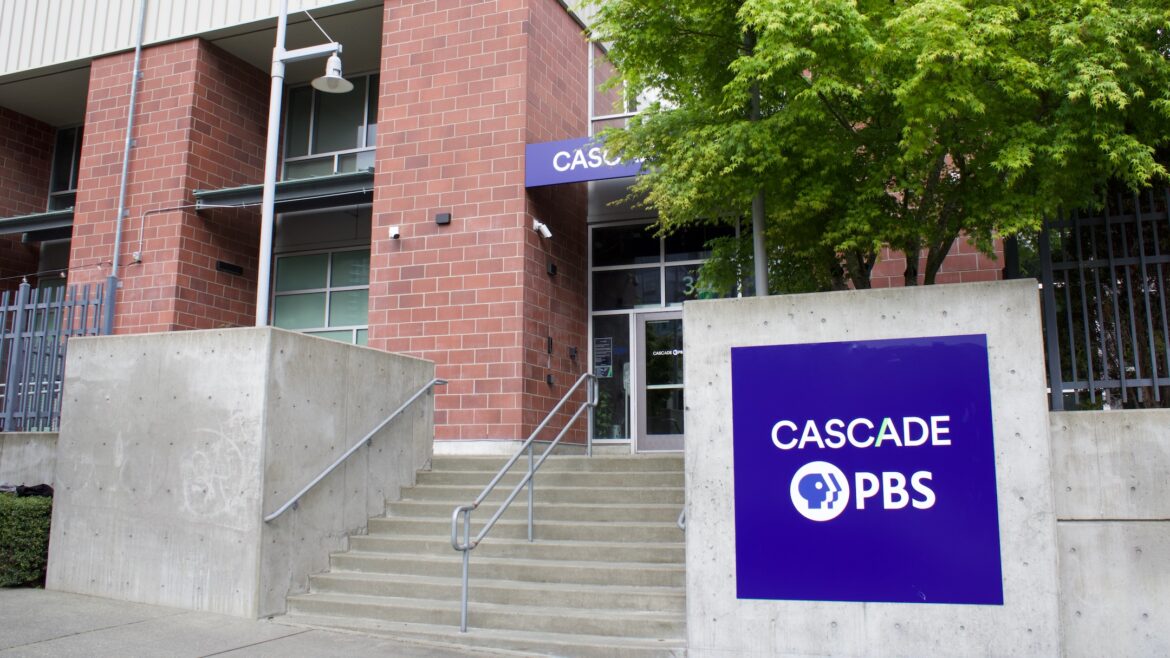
x=886 y=122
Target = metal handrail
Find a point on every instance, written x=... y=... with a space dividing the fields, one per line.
x=292 y=502
x=468 y=543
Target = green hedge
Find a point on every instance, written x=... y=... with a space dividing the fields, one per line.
x=24 y=538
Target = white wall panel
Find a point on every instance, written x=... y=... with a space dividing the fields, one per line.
x=40 y=33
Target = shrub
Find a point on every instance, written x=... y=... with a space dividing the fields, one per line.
x=24 y=538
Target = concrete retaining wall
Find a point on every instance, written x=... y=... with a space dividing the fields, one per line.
x=174 y=446
x=27 y=458
x=719 y=624
x=1112 y=480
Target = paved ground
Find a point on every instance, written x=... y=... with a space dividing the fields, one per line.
x=35 y=622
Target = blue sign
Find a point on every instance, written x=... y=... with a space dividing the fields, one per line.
x=572 y=161
x=865 y=471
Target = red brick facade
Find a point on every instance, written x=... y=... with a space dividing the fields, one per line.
x=200 y=124
x=26 y=155
x=464 y=87
x=964 y=264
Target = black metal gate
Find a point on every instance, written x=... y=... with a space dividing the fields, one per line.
x=35 y=325
x=1104 y=277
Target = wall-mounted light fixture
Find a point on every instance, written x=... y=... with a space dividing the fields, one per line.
x=443 y=218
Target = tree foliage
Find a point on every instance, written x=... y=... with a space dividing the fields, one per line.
x=885 y=121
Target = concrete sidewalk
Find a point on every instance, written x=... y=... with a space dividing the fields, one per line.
x=35 y=622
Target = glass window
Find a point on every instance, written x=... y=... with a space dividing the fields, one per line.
x=691 y=244
x=349 y=307
x=682 y=284
x=302 y=272
x=372 y=111
x=343 y=335
x=340 y=121
x=304 y=311
x=621 y=289
x=351 y=268
x=625 y=245
x=611 y=364
x=66 y=165
x=300 y=117
x=664 y=411
x=319 y=124
x=323 y=292
x=664 y=352
x=322 y=166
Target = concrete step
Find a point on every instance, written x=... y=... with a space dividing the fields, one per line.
x=502 y=642
x=460 y=494
x=543 y=618
x=605 y=577
x=611 y=597
x=601 y=463
x=663 y=531
x=557 y=478
x=533 y=571
x=542 y=549
x=658 y=512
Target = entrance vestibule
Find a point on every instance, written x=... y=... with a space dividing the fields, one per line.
x=638 y=281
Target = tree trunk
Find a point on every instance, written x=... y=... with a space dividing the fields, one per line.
x=910 y=274
x=857 y=269
x=935 y=256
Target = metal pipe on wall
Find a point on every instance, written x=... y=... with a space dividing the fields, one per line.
x=112 y=281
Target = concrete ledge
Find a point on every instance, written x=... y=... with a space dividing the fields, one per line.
x=28 y=458
x=1114 y=588
x=174 y=446
x=1111 y=475
x=1111 y=464
x=471 y=447
x=499 y=448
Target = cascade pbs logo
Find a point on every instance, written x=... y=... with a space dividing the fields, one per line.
x=819 y=491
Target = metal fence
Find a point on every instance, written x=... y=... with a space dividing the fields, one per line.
x=35 y=325
x=1104 y=276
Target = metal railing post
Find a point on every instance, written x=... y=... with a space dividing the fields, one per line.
x=591 y=399
x=466 y=558
x=1052 y=337
x=530 y=485
x=468 y=542
x=14 y=358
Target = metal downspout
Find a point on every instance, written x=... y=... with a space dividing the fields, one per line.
x=112 y=282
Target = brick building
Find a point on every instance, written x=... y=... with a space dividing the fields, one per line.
x=403 y=217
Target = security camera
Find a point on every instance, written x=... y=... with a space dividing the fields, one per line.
x=541 y=228
x=394 y=232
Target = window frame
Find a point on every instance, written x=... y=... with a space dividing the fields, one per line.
x=327 y=290
x=70 y=189
x=369 y=90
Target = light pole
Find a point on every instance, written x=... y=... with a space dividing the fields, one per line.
x=332 y=83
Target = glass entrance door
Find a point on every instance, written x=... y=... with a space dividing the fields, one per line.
x=660 y=381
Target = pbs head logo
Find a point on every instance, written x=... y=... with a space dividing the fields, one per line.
x=819 y=491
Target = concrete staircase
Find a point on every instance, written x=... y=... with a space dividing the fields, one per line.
x=605 y=576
